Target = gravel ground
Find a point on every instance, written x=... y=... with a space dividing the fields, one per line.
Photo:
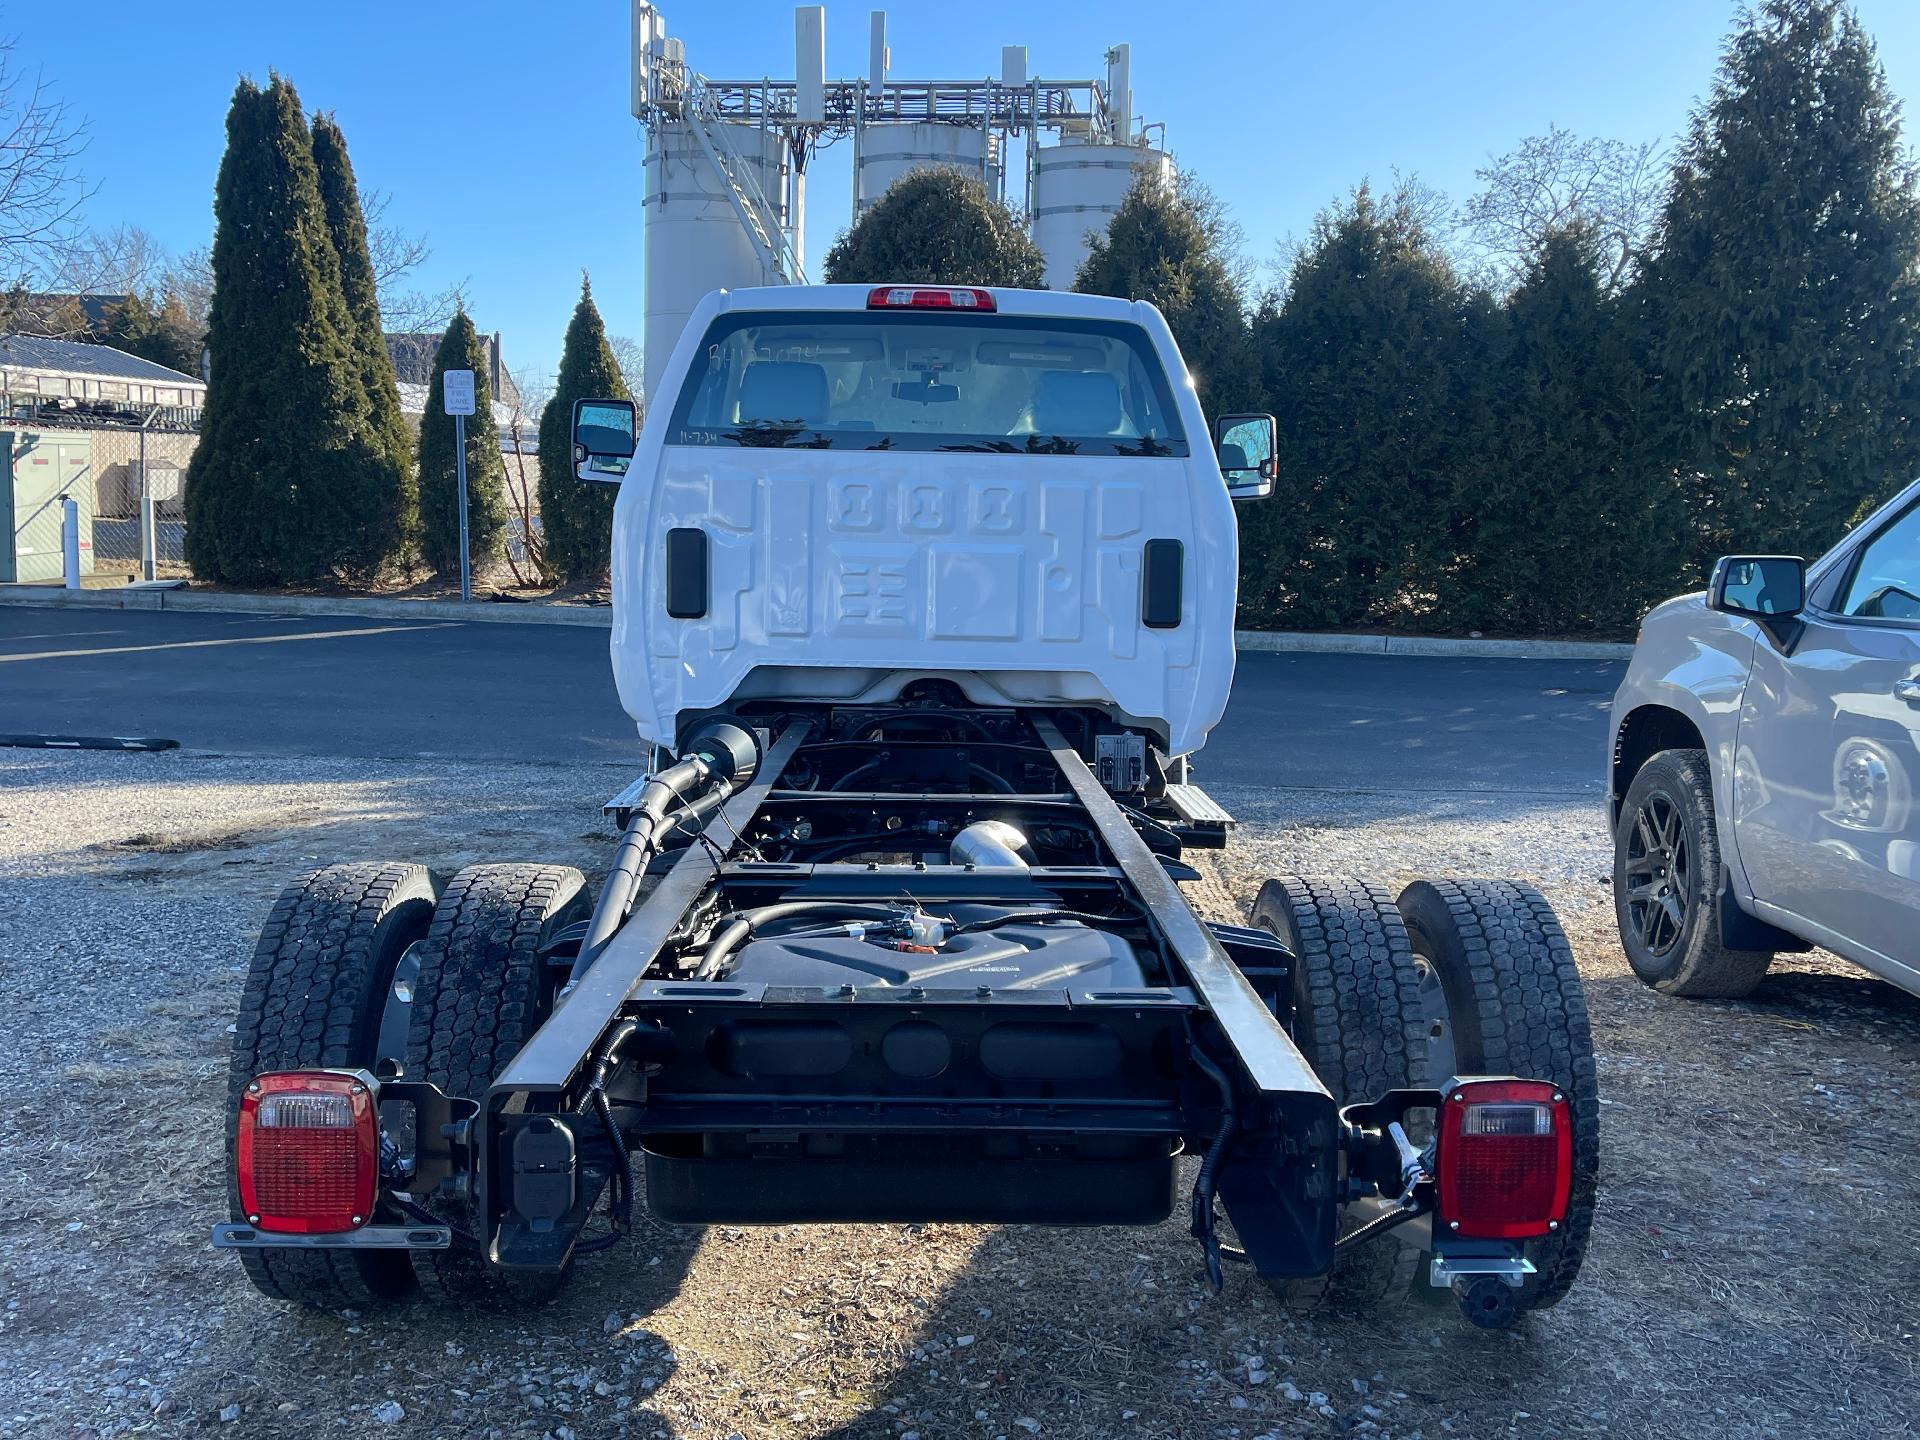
x=1751 y=1271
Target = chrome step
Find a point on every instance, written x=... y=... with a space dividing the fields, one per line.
x=1195 y=807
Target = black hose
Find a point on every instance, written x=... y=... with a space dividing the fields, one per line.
x=854 y=774
x=620 y=1181
x=952 y=715
x=1203 y=1183
x=1025 y=917
x=616 y=894
x=649 y=824
x=733 y=929
x=1379 y=1225
x=1000 y=782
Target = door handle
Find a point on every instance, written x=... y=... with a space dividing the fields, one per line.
x=1907 y=690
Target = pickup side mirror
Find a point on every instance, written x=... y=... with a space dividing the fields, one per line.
x=1245 y=446
x=603 y=438
x=1761 y=587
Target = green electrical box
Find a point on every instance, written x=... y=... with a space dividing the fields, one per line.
x=44 y=467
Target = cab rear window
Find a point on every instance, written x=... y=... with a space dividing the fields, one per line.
x=903 y=380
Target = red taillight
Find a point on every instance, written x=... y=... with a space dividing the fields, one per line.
x=924 y=297
x=1504 y=1159
x=307 y=1156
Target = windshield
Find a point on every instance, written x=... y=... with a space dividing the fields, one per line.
x=914 y=380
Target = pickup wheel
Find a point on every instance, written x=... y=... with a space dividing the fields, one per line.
x=1666 y=881
x=315 y=996
x=1515 y=1006
x=1358 y=1021
x=481 y=993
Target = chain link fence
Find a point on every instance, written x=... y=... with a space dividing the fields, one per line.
x=114 y=469
x=129 y=467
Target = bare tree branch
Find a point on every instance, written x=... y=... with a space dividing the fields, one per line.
x=627 y=355
x=396 y=255
x=122 y=261
x=41 y=191
x=523 y=495
x=189 y=279
x=1559 y=179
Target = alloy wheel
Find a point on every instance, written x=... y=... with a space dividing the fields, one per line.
x=1659 y=875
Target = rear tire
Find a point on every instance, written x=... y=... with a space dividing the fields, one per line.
x=1358 y=1021
x=482 y=991
x=1516 y=1007
x=314 y=997
x=1666 y=884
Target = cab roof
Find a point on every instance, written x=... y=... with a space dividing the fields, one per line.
x=1047 y=304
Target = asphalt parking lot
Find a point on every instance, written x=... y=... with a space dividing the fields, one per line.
x=1756 y=1212
x=386 y=689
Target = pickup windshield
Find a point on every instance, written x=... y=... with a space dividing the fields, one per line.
x=906 y=380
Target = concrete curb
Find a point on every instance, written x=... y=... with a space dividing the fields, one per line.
x=1284 y=642
x=363 y=607
x=1266 y=642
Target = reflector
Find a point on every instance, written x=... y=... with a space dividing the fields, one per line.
x=942 y=297
x=1503 y=1161
x=307 y=1151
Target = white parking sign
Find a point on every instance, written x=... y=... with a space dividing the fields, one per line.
x=457 y=386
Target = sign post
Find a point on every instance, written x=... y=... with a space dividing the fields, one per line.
x=457 y=391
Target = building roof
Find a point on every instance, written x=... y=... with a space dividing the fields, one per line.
x=413 y=401
x=71 y=357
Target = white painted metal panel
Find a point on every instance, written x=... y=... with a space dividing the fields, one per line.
x=1078 y=189
x=842 y=574
x=694 y=240
x=810 y=64
x=890 y=151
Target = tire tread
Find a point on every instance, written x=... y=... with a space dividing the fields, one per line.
x=1708 y=969
x=313 y=996
x=480 y=995
x=1520 y=1008
x=1358 y=1022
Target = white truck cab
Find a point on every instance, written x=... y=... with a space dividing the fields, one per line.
x=842 y=489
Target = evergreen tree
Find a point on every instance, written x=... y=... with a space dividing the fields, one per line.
x=1569 y=528
x=1163 y=246
x=461 y=349
x=937 y=227
x=133 y=327
x=576 y=519
x=166 y=338
x=347 y=225
x=1376 y=363
x=179 y=342
x=289 y=482
x=1783 y=289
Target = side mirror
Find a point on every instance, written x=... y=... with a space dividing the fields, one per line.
x=1246 y=447
x=603 y=439
x=1762 y=587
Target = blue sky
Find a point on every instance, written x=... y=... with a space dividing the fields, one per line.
x=501 y=129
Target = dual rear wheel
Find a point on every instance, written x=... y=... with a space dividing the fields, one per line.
x=1449 y=977
x=351 y=959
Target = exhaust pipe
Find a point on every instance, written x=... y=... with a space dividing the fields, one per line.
x=991 y=845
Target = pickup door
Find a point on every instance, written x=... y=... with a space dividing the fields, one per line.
x=1827 y=773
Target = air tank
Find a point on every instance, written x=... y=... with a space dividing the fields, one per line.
x=891 y=149
x=1078 y=188
x=694 y=239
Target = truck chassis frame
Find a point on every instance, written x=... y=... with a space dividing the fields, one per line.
x=746 y=1102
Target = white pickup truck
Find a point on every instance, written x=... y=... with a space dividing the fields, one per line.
x=924 y=595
